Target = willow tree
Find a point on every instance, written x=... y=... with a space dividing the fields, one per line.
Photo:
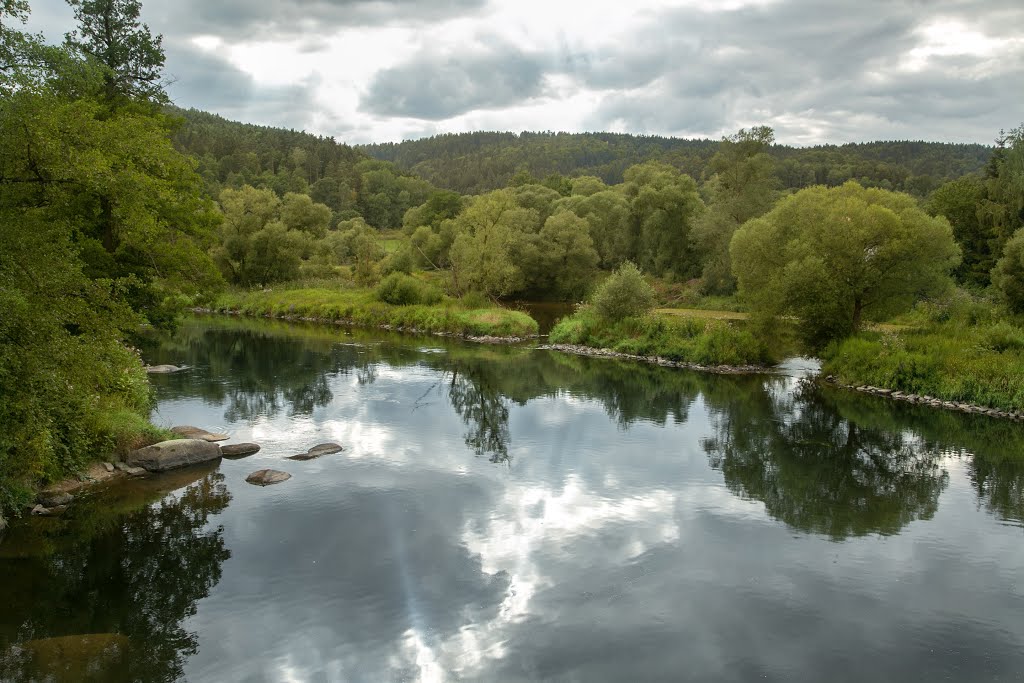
x=836 y=257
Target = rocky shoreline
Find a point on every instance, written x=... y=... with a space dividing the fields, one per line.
x=929 y=401
x=485 y=339
x=657 y=360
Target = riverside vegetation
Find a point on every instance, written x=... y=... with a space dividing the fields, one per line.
x=118 y=212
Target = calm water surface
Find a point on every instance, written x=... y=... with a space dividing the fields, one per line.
x=505 y=514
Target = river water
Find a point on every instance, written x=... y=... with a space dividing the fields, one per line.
x=508 y=514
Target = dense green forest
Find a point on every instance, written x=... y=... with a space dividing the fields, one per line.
x=119 y=211
x=477 y=162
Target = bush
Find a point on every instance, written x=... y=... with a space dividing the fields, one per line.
x=399 y=289
x=1008 y=275
x=623 y=295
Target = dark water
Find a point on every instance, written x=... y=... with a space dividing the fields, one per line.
x=503 y=514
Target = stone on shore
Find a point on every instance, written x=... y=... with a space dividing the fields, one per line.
x=190 y=432
x=239 y=450
x=51 y=499
x=267 y=477
x=129 y=470
x=169 y=455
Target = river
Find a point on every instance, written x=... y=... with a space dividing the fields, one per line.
x=508 y=514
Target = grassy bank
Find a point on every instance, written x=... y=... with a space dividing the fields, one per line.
x=105 y=428
x=362 y=307
x=970 y=354
x=681 y=339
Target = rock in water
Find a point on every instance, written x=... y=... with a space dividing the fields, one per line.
x=317 y=451
x=165 y=369
x=52 y=499
x=239 y=450
x=325 y=449
x=169 y=455
x=267 y=477
x=190 y=432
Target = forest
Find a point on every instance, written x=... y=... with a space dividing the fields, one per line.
x=900 y=264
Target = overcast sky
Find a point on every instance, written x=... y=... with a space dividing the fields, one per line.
x=387 y=70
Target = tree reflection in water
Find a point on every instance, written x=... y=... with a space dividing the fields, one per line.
x=109 y=601
x=818 y=471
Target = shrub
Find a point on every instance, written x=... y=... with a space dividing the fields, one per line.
x=623 y=295
x=1008 y=275
x=399 y=289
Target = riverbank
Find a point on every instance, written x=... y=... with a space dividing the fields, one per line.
x=975 y=360
x=929 y=401
x=361 y=308
x=656 y=360
x=663 y=339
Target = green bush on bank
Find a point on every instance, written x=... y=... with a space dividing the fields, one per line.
x=400 y=289
x=969 y=358
x=363 y=307
x=690 y=340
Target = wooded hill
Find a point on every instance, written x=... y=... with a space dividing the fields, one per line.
x=472 y=163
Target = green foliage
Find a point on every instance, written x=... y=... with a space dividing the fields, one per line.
x=743 y=186
x=963 y=359
x=102 y=228
x=624 y=294
x=607 y=213
x=473 y=163
x=399 y=289
x=1008 y=275
x=961 y=201
x=110 y=32
x=664 y=205
x=362 y=307
x=835 y=257
x=690 y=340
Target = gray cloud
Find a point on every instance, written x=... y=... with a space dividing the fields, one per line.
x=205 y=81
x=239 y=19
x=815 y=71
x=439 y=87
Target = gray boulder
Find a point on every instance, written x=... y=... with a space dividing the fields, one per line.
x=169 y=455
x=130 y=471
x=267 y=477
x=239 y=450
x=51 y=499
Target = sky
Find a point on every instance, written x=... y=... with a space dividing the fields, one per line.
x=386 y=70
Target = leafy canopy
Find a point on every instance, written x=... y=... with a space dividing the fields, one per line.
x=834 y=257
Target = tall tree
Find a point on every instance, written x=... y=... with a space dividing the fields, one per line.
x=111 y=32
x=664 y=205
x=743 y=185
x=835 y=257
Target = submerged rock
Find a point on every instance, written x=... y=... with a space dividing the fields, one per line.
x=165 y=369
x=267 y=477
x=317 y=451
x=93 y=656
x=239 y=450
x=190 y=432
x=169 y=455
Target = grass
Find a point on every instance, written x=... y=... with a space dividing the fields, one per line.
x=679 y=338
x=966 y=352
x=361 y=307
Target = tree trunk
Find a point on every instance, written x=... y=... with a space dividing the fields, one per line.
x=858 y=312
